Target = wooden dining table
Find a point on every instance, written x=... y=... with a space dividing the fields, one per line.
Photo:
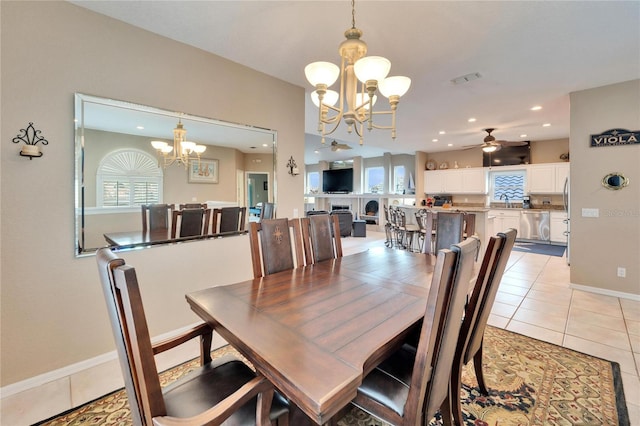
x=316 y=331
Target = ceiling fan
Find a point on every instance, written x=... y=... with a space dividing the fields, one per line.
x=335 y=146
x=490 y=144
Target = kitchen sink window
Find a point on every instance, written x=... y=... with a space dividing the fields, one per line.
x=507 y=186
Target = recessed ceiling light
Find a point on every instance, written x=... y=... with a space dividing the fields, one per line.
x=536 y=108
x=546 y=125
x=442 y=132
x=316 y=152
x=434 y=140
x=523 y=135
x=140 y=127
x=471 y=120
x=449 y=144
x=265 y=144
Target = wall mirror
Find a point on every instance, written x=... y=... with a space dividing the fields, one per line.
x=118 y=170
x=615 y=181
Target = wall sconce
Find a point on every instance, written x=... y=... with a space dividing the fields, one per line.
x=293 y=167
x=30 y=136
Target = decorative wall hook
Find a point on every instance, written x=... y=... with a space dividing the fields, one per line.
x=30 y=136
x=293 y=167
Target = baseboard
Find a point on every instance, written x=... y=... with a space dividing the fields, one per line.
x=50 y=376
x=605 y=292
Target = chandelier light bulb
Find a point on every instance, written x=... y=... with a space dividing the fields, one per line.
x=397 y=85
x=166 y=149
x=372 y=68
x=199 y=149
x=322 y=73
x=330 y=98
x=187 y=146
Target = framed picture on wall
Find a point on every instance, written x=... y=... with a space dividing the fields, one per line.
x=265 y=185
x=205 y=171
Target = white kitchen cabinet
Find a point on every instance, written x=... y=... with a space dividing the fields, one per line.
x=505 y=219
x=546 y=178
x=557 y=227
x=456 y=181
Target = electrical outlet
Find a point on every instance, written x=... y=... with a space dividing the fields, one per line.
x=622 y=272
x=590 y=212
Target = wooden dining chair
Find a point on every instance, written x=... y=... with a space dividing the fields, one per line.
x=267 y=211
x=470 y=341
x=193 y=222
x=321 y=238
x=274 y=243
x=156 y=216
x=220 y=389
x=227 y=219
x=412 y=384
x=449 y=229
x=425 y=221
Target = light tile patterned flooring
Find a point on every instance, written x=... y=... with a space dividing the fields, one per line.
x=535 y=299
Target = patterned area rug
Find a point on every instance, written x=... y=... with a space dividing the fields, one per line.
x=530 y=383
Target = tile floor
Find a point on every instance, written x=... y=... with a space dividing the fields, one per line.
x=535 y=299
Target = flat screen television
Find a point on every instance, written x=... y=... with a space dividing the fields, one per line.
x=337 y=181
x=508 y=156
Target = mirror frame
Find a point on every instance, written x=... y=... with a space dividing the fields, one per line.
x=624 y=181
x=80 y=102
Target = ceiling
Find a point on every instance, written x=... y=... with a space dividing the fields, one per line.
x=527 y=53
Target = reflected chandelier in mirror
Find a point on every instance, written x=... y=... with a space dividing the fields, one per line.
x=118 y=169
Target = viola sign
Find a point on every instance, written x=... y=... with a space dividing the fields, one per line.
x=616 y=137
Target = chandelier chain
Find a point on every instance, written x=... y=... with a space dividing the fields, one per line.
x=353 y=14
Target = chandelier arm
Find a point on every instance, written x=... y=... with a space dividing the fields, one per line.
x=325 y=133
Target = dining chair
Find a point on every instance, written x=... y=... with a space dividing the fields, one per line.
x=470 y=341
x=388 y=227
x=156 y=216
x=217 y=390
x=274 y=242
x=409 y=231
x=412 y=384
x=267 y=211
x=193 y=222
x=448 y=229
x=469 y=225
x=321 y=238
x=228 y=219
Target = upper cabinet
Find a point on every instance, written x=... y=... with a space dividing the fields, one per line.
x=547 y=178
x=456 y=181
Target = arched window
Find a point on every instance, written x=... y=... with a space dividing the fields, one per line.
x=128 y=177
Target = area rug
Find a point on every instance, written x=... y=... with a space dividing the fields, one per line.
x=537 y=248
x=530 y=382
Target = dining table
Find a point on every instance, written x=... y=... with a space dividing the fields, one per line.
x=316 y=331
x=129 y=239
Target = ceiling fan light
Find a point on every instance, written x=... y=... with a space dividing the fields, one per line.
x=330 y=98
x=321 y=73
x=372 y=68
x=490 y=148
x=397 y=85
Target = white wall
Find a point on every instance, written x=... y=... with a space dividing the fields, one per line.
x=600 y=245
x=52 y=310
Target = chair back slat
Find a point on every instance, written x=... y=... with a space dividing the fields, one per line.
x=321 y=238
x=449 y=229
x=229 y=219
x=156 y=216
x=193 y=222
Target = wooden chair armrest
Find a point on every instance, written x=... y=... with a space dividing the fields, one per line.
x=225 y=408
x=199 y=330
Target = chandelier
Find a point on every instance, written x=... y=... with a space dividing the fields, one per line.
x=182 y=151
x=355 y=104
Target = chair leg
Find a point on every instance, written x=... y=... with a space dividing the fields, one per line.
x=477 y=366
x=445 y=412
x=456 y=386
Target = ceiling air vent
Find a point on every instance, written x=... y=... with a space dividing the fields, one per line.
x=466 y=78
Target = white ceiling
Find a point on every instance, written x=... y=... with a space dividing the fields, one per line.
x=527 y=52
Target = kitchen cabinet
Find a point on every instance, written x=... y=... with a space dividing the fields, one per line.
x=558 y=226
x=456 y=181
x=547 y=178
x=505 y=219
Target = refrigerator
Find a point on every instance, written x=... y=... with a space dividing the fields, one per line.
x=567 y=232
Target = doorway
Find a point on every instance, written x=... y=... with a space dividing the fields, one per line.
x=257 y=191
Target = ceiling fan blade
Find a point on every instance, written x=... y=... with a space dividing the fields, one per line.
x=513 y=143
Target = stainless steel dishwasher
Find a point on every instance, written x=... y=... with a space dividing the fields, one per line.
x=534 y=225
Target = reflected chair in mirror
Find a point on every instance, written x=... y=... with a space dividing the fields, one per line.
x=470 y=341
x=321 y=238
x=449 y=229
x=193 y=222
x=192 y=206
x=217 y=390
x=425 y=220
x=345 y=218
x=156 y=216
x=276 y=245
x=267 y=211
x=411 y=385
x=469 y=225
x=228 y=219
